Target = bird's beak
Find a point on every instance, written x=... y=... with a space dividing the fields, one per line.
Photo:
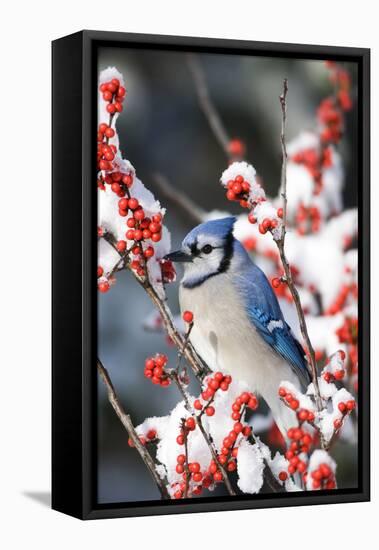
x=178 y=256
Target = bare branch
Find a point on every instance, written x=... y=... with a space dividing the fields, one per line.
x=280 y=244
x=128 y=425
x=179 y=199
x=206 y=104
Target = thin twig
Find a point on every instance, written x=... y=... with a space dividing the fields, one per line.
x=122 y=260
x=280 y=244
x=128 y=425
x=179 y=199
x=185 y=435
x=206 y=103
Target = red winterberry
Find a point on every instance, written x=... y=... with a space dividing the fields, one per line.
x=188 y=316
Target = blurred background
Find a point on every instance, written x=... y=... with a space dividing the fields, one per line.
x=163 y=130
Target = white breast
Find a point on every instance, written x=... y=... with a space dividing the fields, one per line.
x=227 y=341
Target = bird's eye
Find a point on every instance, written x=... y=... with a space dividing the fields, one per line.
x=207 y=249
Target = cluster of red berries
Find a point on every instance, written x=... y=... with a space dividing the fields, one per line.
x=301 y=442
x=308 y=219
x=118 y=182
x=105 y=155
x=289 y=398
x=341 y=79
x=348 y=332
x=150 y=436
x=331 y=377
x=323 y=477
x=246 y=400
x=188 y=426
x=303 y=415
x=314 y=161
x=102 y=285
x=344 y=293
x=267 y=224
x=191 y=472
x=155 y=370
x=344 y=409
x=331 y=118
x=331 y=374
x=218 y=381
x=236 y=148
x=168 y=271
x=238 y=190
x=227 y=457
x=113 y=94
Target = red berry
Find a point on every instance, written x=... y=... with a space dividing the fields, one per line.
x=188 y=316
x=111 y=109
x=238 y=427
x=151 y=434
x=127 y=180
x=294 y=404
x=217 y=476
x=103 y=286
x=133 y=203
x=109 y=132
x=252 y=219
x=232 y=466
x=266 y=224
x=156 y=237
x=100 y=271
x=283 y=476
x=190 y=423
x=280 y=212
x=209 y=411
x=246 y=431
x=237 y=188
x=123 y=203
x=179 y=468
x=276 y=282
x=149 y=252
x=342 y=407
x=197 y=404
x=115 y=187
x=121 y=246
x=161 y=360
x=180 y=439
x=236 y=148
x=139 y=214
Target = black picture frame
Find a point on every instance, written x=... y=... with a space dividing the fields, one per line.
x=74 y=296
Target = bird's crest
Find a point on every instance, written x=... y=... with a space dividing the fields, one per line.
x=219 y=228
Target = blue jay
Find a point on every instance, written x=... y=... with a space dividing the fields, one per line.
x=239 y=327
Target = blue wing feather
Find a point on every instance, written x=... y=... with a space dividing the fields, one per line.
x=264 y=312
